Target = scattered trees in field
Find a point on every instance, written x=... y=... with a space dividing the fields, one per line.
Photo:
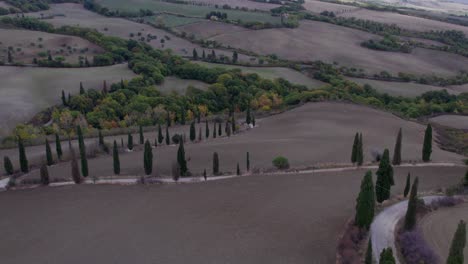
x=148 y=158
x=365 y=203
x=427 y=145
x=116 y=159
x=397 y=151
x=8 y=165
x=458 y=244
x=281 y=163
x=410 y=217
x=384 y=178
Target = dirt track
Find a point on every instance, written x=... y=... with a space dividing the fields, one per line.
x=258 y=219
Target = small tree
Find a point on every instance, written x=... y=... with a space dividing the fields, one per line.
x=220 y=132
x=233 y=124
x=64 y=99
x=360 y=151
x=148 y=158
x=181 y=158
x=456 y=255
x=160 y=136
x=115 y=155
x=82 y=90
x=248 y=117
x=193 y=134
x=24 y=165
x=234 y=57
x=384 y=178
x=175 y=169
x=8 y=165
x=199 y=134
x=101 y=138
x=58 y=147
x=168 y=138
x=281 y=163
x=82 y=146
x=386 y=256
x=195 y=54
x=368 y=259
x=204 y=174
x=49 y=158
x=354 y=152
x=75 y=171
x=365 y=203
x=44 y=175
x=410 y=218
x=227 y=128
x=142 y=137
x=427 y=145
x=214 y=129
x=407 y=185
x=207 y=129
x=238 y=172
x=253 y=120
x=247 y=161
x=397 y=151
x=130 y=141
x=215 y=164
x=122 y=143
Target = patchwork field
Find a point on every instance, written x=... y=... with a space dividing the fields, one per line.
x=256 y=219
x=403 y=21
x=75 y=14
x=26 y=91
x=456 y=121
x=313 y=134
x=171 y=20
x=273 y=73
x=331 y=43
x=439 y=227
x=188 y=10
x=26 y=45
x=406 y=89
x=317 y=6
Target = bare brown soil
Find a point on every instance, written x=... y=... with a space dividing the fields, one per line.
x=330 y=43
x=455 y=121
x=26 y=45
x=257 y=219
x=439 y=227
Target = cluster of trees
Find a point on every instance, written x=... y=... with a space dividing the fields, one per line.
x=95 y=7
x=388 y=43
x=211 y=57
x=217 y=15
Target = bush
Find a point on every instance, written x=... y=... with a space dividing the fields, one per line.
x=281 y=163
x=415 y=250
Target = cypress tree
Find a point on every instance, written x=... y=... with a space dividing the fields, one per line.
x=168 y=139
x=130 y=141
x=193 y=134
x=82 y=90
x=233 y=124
x=195 y=54
x=75 y=171
x=354 y=152
x=155 y=142
x=234 y=57
x=58 y=147
x=50 y=159
x=238 y=170
x=407 y=186
x=24 y=165
x=384 y=178
x=121 y=143
x=228 y=129
x=220 y=132
x=368 y=259
x=10 y=57
x=183 y=115
x=142 y=137
x=360 y=151
x=410 y=217
x=253 y=120
x=168 y=119
x=207 y=129
x=203 y=55
x=160 y=136
x=365 y=203
x=8 y=165
x=214 y=129
x=456 y=255
x=69 y=99
x=199 y=134
x=204 y=174
x=215 y=164
x=44 y=175
x=101 y=138
x=248 y=118
x=104 y=87
x=427 y=145
x=148 y=158
x=64 y=99
x=397 y=151
x=247 y=165
x=181 y=158
x=115 y=155
x=386 y=256
x=198 y=116
x=84 y=161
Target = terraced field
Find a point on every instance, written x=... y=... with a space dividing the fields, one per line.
x=456 y=121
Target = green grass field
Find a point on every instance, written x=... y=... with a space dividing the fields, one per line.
x=272 y=73
x=187 y=10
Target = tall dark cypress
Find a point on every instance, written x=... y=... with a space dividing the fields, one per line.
x=220 y=131
x=360 y=151
x=456 y=253
x=24 y=164
x=160 y=136
x=238 y=172
x=64 y=99
x=215 y=164
x=368 y=259
x=193 y=133
x=181 y=158
x=82 y=90
x=384 y=178
x=75 y=170
x=410 y=217
x=44 y=175
x=397 y=151
x=247 y=162
x=8 y=165
x=207 y=129
x=354 y=152
x=58 y=147
x=168 y=138
x=183 y=115
x=168 y=119
x=49 y=158
x=148 y=158
x=199 y=134
x=142 y=137
x=427 y=145
x=84 y=160
x=228 y=129
x=365 y=203
x=214 y=129
x=248 y=118
x=253 y=120
x=130 y=141
x=101 y=138
x=407 y=185
x=115 y=156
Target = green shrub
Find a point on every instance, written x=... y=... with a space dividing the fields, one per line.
x=281 y=163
